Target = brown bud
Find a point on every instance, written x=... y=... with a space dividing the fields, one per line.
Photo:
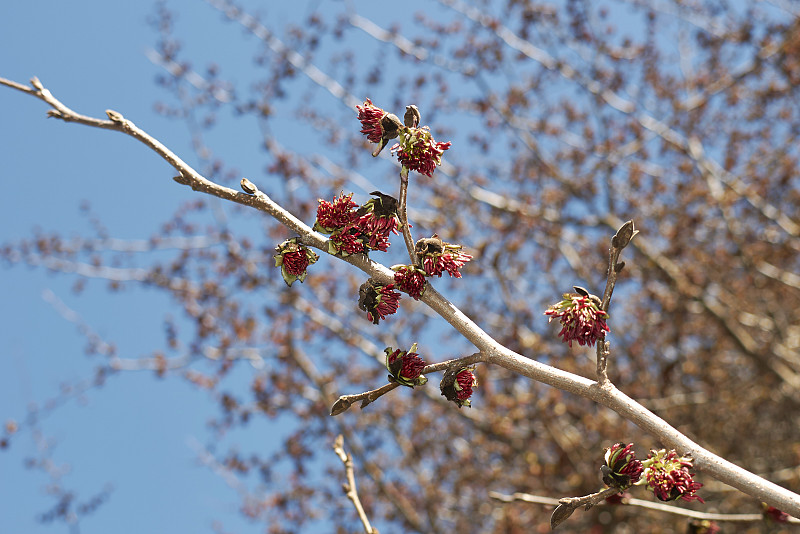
x=412 y=117
x=624 y=235
x=248 y=186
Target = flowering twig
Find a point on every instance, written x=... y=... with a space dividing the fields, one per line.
x=491 y=351
x=350 y=486
x=344 y=402
x=618 y=243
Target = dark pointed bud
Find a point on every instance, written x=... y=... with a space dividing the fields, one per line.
x=560 y=514
x=340 y=406
x=412 y=117
x=390 y=125
x=429 y=245
x=619 y=266
x=624 y=235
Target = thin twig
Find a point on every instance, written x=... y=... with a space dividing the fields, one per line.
x=618 y=243
x=344 y=402
x=402 y=214
x=567 y=505
x=350 y=486
x=661 y=507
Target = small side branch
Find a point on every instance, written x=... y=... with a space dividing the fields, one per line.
x=402 y=214
x=618 y=243
x=350 y=486
x=568 y=505
x=344 y=402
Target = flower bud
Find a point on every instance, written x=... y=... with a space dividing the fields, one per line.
x=377 y=300
x=294 y=258
x=668 y=476
x=405 y=367
x=621 y=468
x=581 y=318
x=457 y=384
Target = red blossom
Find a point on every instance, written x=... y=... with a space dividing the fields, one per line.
x=370 y=117
x=295 y=262
x=581 y=318
x=457 y=384
x=347 y=241
x=621 y=467
x=418 y=151
x=668 y=476
x=410 y=279
x=436 y=257
x=336 y=215
x=377 y=229
x=377 y=300
x=293 y=258
x=405 y=366
x=465 y=380
x=448 y=262
x=775 y=514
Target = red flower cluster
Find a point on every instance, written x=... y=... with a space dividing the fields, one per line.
x=377 y=300
x=378 y=218
x=357 y=230
x=436 y=257
x=410 y=279
x=370 y=117
x=336 y=215
x=416 y=150
x=621 y=468
x=774 y=514
x=457 y=384
x=405 y=367
x=667 y=474
x=581 y=318
x=293 y=258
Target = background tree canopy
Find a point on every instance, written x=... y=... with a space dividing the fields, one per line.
x=566 y=119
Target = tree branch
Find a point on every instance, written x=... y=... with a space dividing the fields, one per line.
x=492 y=351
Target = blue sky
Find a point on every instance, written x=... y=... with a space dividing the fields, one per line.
x=136 y=434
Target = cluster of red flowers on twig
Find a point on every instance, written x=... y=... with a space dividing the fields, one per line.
x=405 y=367
x=581 y=316
x=355 y=229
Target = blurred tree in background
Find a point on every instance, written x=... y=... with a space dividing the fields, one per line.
x=566 y=119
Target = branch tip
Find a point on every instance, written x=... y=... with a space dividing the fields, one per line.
x=624 y=235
